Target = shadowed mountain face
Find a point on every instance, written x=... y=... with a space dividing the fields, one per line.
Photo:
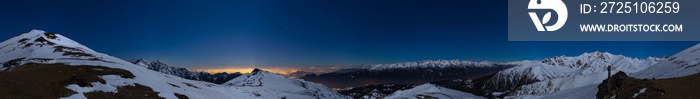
x=217 y=78
x=406 y=74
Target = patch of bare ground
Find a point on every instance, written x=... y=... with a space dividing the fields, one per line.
x=47 y=81
x=180 y=96
x=50 y=35
x=130 y=92
x=43 y=42
x=90 y=59
x=69 y=51
x=23 y=40
x=174 y=85
x=13 y=62
x=624 y=87
x=28 y=45
x=188 y=84
x=126 y=92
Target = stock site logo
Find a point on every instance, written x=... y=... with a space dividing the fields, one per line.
x=556 y=5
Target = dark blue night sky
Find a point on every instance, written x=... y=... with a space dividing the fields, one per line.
x=296 y=32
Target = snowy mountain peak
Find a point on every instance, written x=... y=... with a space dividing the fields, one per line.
x=140 y=61
x=256 y=70
x=596 y=54
x=39 y=46
x=146 y=63
x=587 y=59
x=34 y=32
x=43 y=38
x=152 y=63
x=256 y=78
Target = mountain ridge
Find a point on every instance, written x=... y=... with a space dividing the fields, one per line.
x=156 y=65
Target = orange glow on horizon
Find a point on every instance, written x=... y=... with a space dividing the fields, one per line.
x=279 y=70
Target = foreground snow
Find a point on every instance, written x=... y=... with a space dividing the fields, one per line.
x=431 y=91
x=264 y=82
x=583 y=92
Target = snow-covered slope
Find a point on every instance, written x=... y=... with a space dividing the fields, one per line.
x=683 y=63
x=430 y=91
x=259 y=81
x=561 y=73
x=583 y=92
x=374 y=94
x=47 y=48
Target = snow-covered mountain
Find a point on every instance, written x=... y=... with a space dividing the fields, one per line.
x=63 y=68
x=217 y=78
x=430 y=91
x=561 y=73
x=683 y=63
x=675 y=76
x=164 y=68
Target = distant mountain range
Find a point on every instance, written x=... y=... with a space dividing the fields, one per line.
x=217 y=78
x=408 y=73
